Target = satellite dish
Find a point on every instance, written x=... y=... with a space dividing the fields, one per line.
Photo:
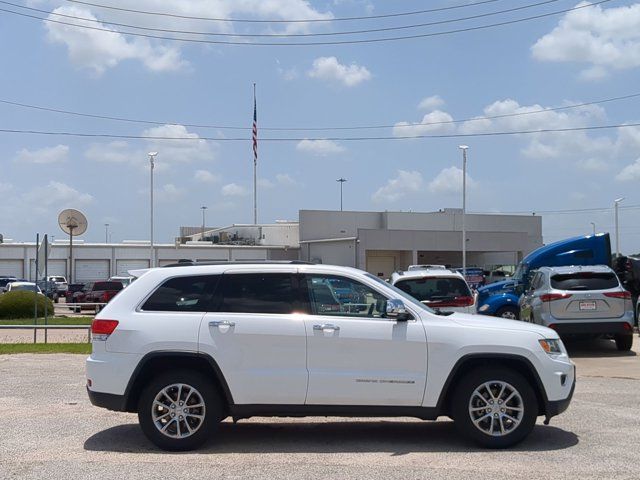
x=72 y=222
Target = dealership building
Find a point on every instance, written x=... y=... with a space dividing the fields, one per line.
x=379 y=242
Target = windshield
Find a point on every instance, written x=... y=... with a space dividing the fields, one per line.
x=31 y=288
x=402 y=295
x=434 y=288
x=520 y=272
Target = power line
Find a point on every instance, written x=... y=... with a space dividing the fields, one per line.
x=338 y=139
x=332 y=42
x=285 y=35
x=570 y=211
x=310 y=20
x=357 y=127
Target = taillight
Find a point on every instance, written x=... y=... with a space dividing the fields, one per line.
x=623 y=294
x=627 y=327
x=101 y=329
x=550 y=297
x=105 y=297
x=464 y=301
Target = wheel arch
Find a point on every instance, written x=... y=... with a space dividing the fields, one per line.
x=472 y=361
x=156 y=362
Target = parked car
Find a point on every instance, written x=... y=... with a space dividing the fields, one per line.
x=27 y=286
x=4 y=281
x=582 y=300
x=95 y=292
x=72 y=289
x=49 y=288
x=60 y=282
x=185 y=347
x=500 y=299
x=438 y=288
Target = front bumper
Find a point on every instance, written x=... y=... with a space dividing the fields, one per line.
x=556 y=407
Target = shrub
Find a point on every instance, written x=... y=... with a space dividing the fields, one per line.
x=19 y=304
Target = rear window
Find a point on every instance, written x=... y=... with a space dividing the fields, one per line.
x=107 y=286
x=183 y=294
x=434 y=288
x=584 y=281
x=257 y=293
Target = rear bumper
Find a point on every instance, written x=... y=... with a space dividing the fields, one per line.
x=109 y=401
x=590 y=328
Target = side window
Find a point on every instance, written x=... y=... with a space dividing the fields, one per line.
x=340 y=296
x=183 y=294
x=257 y=293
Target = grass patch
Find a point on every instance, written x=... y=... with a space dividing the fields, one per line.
x=50 y=321
x=9 y=348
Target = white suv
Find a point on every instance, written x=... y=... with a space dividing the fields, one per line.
x=188 y=346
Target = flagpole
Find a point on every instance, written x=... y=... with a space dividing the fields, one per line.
x=255 y=158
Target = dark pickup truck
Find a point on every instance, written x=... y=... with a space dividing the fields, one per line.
x=95 y=292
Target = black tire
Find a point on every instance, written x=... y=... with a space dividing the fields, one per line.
x=213 y=410
x=462 y=398
x=624 y=342
x=509 y=312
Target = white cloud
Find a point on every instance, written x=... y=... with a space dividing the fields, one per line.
x=99 y=50
x=205 y=176
x=234 y=190
x=320 y=147
x=5 y=187
x=331 y=70
x=178 y=150
x=265 y=183
x=431 y=103
x=55 y=194
x=396 y=188
x=449 y=181
x=630 y=173
x=169 y=193
x=112 y=152
x=593 y=165
x=435 y=121
x=281 y=180
x=604 y=38
x=285 y=179
x=56 y=154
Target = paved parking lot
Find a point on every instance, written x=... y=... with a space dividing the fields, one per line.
x=49 y=430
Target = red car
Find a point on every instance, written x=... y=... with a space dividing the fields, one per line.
x=95 y=292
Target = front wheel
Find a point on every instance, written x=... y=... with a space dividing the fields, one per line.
x=508 y=312
x=624 y=342
x=178 y=410
x=495 y=407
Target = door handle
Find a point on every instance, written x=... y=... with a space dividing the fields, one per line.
x=222 y=323
x=326 y=326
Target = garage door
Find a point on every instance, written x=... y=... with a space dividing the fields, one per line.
x=10 y=268
x=162 y=263
x=381 y=266
x=54 y=267
x=91 y=270
x=123 y=266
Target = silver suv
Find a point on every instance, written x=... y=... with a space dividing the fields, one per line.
x=580 y=300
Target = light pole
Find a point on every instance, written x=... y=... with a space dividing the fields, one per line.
x=464 y=149
x=152 y=157
x=106 y=233
x=341 y=181
x=616 y=202
x=593 y=224
x=203 y=208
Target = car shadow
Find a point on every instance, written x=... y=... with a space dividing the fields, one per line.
x=599 y=347
x=396 y=438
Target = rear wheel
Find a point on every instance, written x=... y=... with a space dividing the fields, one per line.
x=179 y=409
x=624 y=342
x=508 y=312
x=495 y=407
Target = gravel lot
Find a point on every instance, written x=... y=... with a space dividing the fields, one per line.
x=51 y=431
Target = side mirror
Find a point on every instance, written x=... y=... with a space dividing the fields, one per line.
x=396 y=310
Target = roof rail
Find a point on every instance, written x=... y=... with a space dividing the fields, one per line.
x=193 y=263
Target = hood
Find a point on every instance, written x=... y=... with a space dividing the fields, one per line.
x=484 y=321
x=497 y=286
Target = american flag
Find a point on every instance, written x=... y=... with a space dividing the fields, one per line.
x=255 y=128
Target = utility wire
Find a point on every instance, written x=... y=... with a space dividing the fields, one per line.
x=337 y=139
x=284 y=35
x=304 y=129
x=332 y=42
x=311 y=20
x=563 y=212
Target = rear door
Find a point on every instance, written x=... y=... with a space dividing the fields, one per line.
x=256 y=334
x=355 y=356
x=589 y=295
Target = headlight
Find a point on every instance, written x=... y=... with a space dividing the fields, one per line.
x=484 y=308
x=553 y=346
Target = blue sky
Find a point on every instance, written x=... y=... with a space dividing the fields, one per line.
x=585 y=55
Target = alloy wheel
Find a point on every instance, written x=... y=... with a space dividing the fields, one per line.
x=496 y=408
x=178 y=410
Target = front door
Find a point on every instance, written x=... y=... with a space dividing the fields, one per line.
x=257 y=338
x=356 y=356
